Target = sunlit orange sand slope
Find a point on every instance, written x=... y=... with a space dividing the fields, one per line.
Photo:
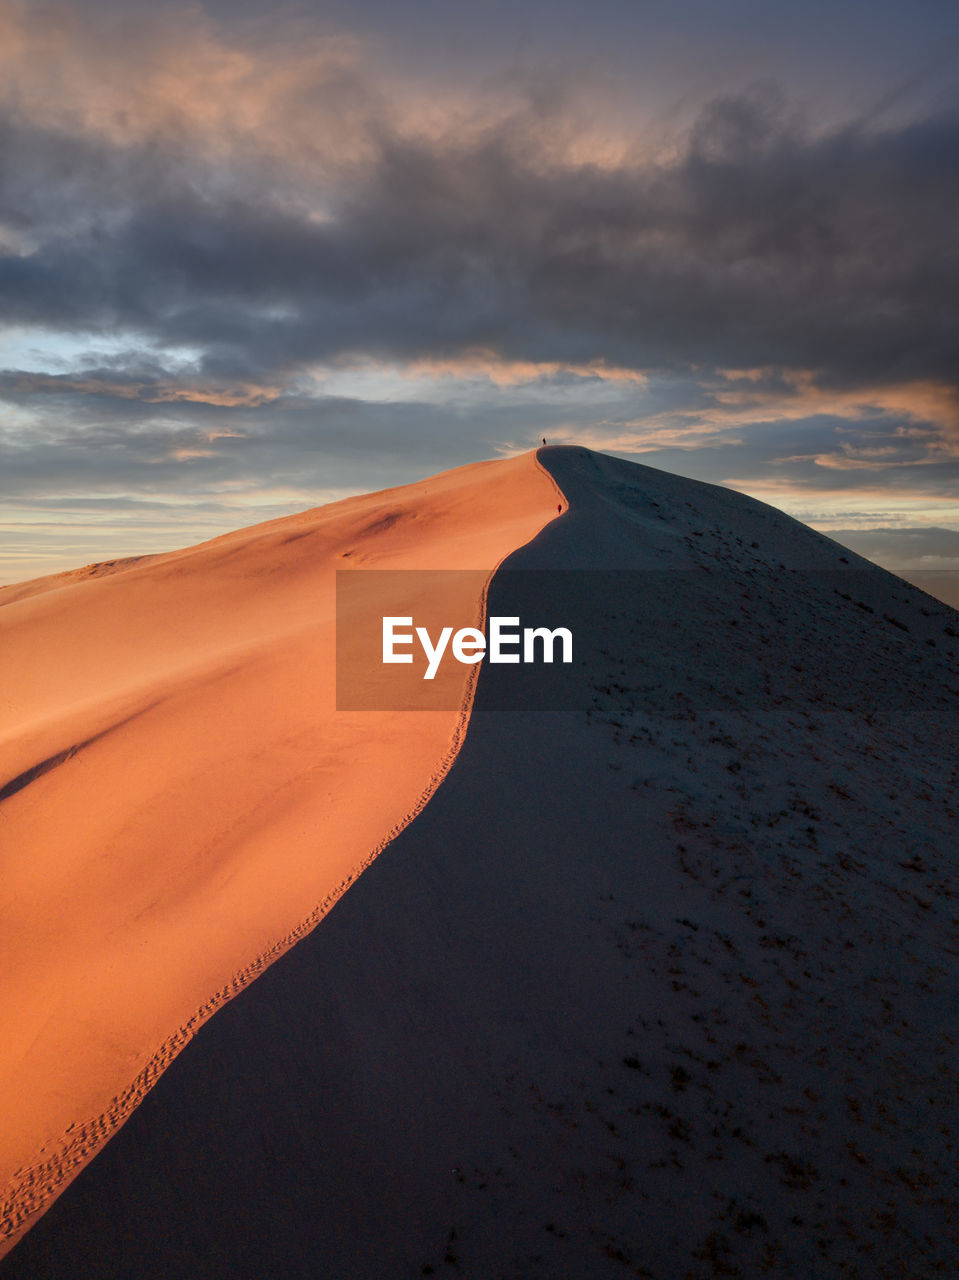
x=179 y=793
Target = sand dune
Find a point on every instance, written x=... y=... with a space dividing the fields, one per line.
x=658 y=984
x=179 y=800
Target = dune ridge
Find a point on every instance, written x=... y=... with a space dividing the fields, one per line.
x=34 y=1188
x=660 y=982
x=490 y=507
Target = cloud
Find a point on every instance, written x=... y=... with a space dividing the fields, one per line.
x=281 y=204
x=279 y=207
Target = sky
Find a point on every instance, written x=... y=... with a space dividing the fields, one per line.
x=252 y=261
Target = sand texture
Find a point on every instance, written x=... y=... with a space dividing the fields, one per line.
x=179 y=799
x=660 y=983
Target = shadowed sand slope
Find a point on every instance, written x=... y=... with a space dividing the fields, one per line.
x=179 y=798
x=660 y=983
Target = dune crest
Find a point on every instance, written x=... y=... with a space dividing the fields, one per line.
x=660 y=983
x=179 y=799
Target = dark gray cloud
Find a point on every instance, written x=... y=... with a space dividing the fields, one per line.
x=185 y=247
x=102 y=445
x=760 y=244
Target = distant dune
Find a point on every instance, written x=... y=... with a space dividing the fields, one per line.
x=660 y=982
x=179 y=799
x=941 y=583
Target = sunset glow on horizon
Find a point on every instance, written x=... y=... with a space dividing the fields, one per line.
x=252 y=264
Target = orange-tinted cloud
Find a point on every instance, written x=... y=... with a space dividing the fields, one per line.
x=504 y=372
x=931 y=408
x=130 y=77
x=183 y=390
x=742 y=398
